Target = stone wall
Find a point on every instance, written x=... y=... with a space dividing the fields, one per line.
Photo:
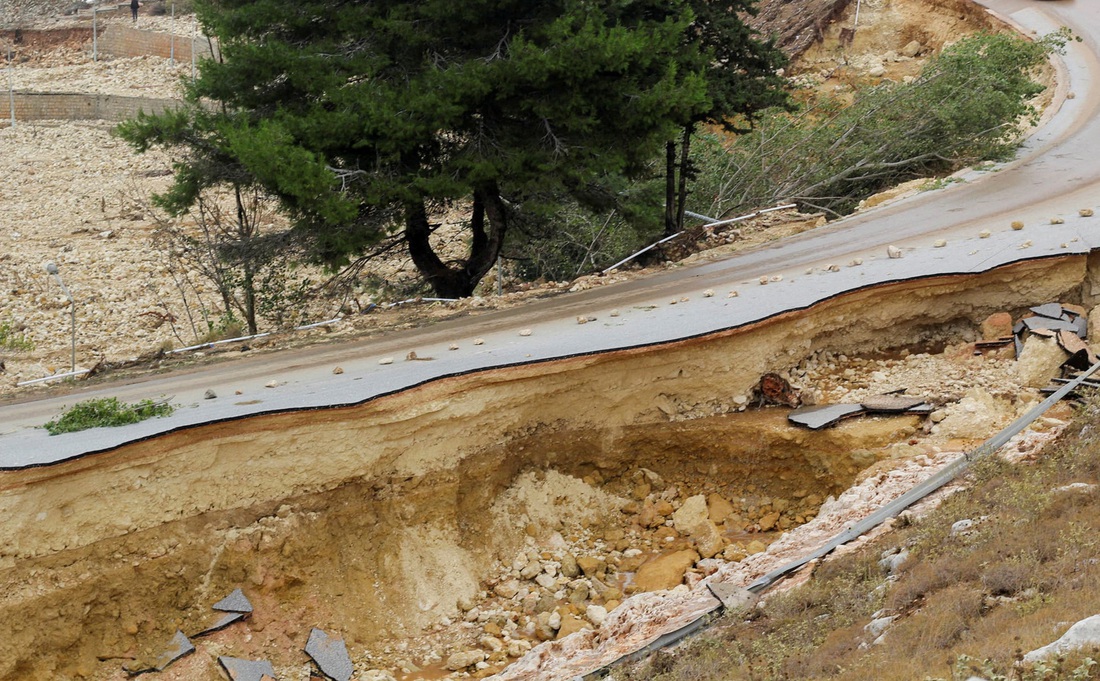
x=124 y=41
x=42 y=106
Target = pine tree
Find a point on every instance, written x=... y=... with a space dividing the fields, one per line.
x=366 y=117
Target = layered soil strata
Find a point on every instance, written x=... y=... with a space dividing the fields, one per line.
x=375 y=519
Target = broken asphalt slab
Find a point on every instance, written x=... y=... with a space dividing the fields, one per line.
x=330 y=654
x=178 y=647
x=246 y=670
x=234 y=602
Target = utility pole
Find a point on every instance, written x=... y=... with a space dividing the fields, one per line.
x=51 y=268
x=11 y=88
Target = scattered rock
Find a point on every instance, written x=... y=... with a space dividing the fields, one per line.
x=718 y=509
x=892 y=560
x=386 y=360
x=453 y=346
x=877 y=626
x=1017 y=225
x=377 y=675
x=209 y=395
x=461 y=660
x=709 y=293
x=479 y=341
x=984 y=234
x=337 y=370
x=525 y=332
x=271 y=384
x=1057 y=221
x=961 y=527
x=893 y=252
x=1085 y=212
x=975 y=416
x=912 y=49
x=939 y=243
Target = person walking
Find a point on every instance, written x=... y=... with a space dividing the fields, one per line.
x=134 y=4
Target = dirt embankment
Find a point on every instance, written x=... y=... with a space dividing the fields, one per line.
x=377 y=521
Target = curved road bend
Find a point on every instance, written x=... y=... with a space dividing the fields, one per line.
x=1055 y=174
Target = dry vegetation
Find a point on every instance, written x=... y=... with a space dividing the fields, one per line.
x=967 y=603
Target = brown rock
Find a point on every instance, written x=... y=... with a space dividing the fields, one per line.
x=590 y=565
x=997 y=325
x=755 y=546
x=768 y=521
x=569 y=566
x=665 y=572
x=718 y=508
x=571 y=624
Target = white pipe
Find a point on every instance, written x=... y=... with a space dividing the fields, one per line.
x=50 y=378
x=750 y=215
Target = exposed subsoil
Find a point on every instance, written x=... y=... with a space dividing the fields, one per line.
x=447 y=532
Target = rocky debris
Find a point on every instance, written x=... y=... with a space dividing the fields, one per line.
x=892 y=560
x=461 y=660
x=975 y=416
x=665 y=572
x=377 y=675
x=1082 y=634
x=877 y=626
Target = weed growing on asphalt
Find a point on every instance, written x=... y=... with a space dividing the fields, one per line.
x=105 y=412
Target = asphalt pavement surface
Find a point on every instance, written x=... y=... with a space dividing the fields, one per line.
x=1054 y=175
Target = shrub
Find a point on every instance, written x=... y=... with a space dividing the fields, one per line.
x=105 y=412
x=13 y=339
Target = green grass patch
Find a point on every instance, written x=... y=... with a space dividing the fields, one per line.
x=13 y=339
x=106 y=412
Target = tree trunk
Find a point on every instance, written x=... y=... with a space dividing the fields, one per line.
x=670 y=188
x=485 y=245
x=685 y=170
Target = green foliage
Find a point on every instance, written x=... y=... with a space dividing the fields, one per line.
x=105 y=412
x=968 y=105
x=14 y=339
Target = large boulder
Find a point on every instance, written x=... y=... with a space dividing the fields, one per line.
x=665 y=572
x=692 y=519
x=1084 y=633
x=997 y=325
x=1039 y=361
x=976 y=416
